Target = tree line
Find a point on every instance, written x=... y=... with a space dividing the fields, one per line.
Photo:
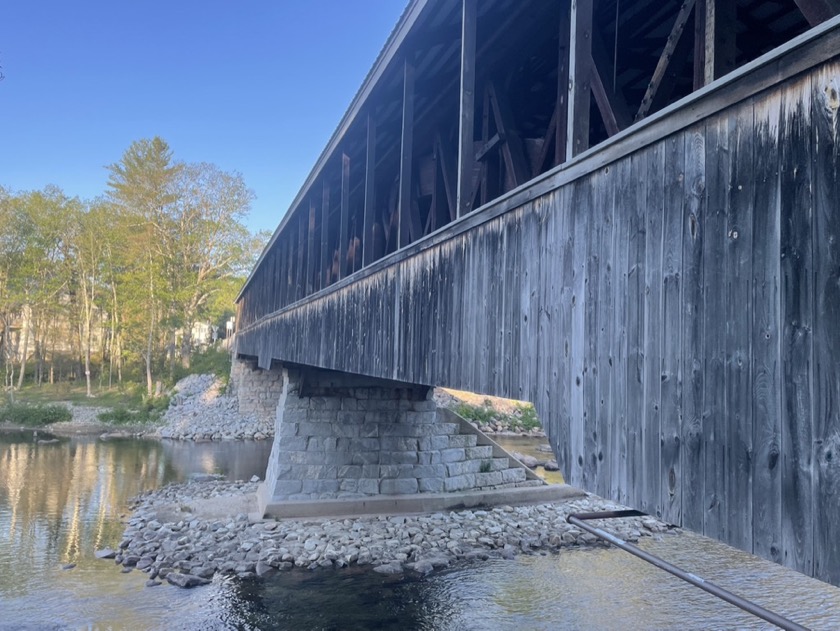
x=111 y=288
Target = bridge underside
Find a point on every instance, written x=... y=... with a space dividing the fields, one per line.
x=668 y=301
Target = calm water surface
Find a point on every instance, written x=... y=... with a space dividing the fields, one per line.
x=60 y=502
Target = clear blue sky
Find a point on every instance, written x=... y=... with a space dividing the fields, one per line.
x=255 y=86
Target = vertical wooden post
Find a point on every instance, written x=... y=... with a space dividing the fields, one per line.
x=370 y=191
x=300 y=272
x=699 y=44
x=561 y=128
x=310 y=250
x=719 y=46
x=466 y=152
x=326 y=255
x=345 y=215
x=407 y=148
x=580 y=64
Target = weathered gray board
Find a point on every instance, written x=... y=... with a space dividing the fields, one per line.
x=674 y=314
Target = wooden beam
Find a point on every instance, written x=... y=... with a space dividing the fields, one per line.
x=602 y=63
x=561 y=108
x=300 y=271
x=370 y=192
x=719 y=48
x=580 y=62
x=699 y=44
x=344 y=217
x=406 y=151
x=818 y=11
x=665 y=58
x=487 y=147
x=445 y=162
x=310 y=250
x=512 y=149
x=326 y=254
x=466 y=119
x=599 y=91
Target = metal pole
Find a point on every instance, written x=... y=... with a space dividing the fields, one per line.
x=757 y=610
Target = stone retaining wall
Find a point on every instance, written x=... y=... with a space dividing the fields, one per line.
x=256 y=390
x=345 y=442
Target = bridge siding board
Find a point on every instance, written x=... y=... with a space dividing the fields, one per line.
x=651 y=427
x=577 y=327
x=564 y=366
x=797 y=322
x=618 y=406
x=694 y=233
x=635 y=326
x=826 y=125
x=591 y=366
x=605 y=195
x=670 y=473
x=702 y=277
x=718 y=155
x=738 y=285
x=767 y=483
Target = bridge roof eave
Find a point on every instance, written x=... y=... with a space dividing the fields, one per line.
x=405 y=25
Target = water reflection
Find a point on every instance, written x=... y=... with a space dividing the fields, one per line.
x=61 y=501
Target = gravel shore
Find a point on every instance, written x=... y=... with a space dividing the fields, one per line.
x=187 y=533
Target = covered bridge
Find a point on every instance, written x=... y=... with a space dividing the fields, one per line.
x=623 y=211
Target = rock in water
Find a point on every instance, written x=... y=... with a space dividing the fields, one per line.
x=68 y=566
x=105 y=553
x=185 y=580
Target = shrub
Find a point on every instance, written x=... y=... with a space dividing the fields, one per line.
x=34 y=415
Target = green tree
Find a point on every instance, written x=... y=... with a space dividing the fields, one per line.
x=207 y=243
x=142 y=185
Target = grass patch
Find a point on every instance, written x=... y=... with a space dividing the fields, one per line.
x=524 y=417
x=34 y=415
x=211 y=361
x=148 y=412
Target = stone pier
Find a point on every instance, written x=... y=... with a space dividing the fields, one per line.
x=340 y=438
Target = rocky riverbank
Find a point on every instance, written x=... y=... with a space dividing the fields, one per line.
x=177 y=533
x=199 y=409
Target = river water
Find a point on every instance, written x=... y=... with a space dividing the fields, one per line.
x=60 y=502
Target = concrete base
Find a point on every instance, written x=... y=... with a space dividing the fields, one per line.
x=414 y=503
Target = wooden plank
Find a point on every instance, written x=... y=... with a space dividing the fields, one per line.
x=582 y=206
x=605 y=356
x=693 y=343
x=406 y=153
x=651 y=428
x=592 y=257
x=466 y=116
x=446 y=165
x=665 y=58
x=368 y=250
x=625 y=192
x=561 y=108
x=818 y=11
x=300 y=268
x=325 y=234
x=580 y=60
x=344 y=216
x=738 y=272
x=636 y=328
x=797 y=300
x=562 y=370
x=825 y=91
x=718 y=154
x=670 y=477
x=311 y=253
x=720 y=29
x=766 y=369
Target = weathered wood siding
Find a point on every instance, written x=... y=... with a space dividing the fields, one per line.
x=674 y=314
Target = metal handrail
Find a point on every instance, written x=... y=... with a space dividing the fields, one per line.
x=579 y=520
